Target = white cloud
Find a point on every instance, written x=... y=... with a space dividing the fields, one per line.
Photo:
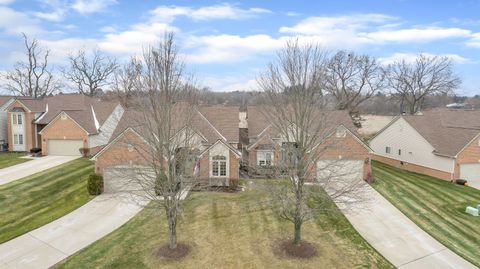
x=230 y=83
x=14 y=22
x=6 y=2
x=229 y=48
x=55 y=16
x=92 y=6
x=411 y=57
x=474 y=41
x=416 y=34
x=223 y=11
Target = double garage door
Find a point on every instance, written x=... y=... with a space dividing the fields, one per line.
x=126 y=179
x=340 y=170
x=470 y=172
x=64 y=147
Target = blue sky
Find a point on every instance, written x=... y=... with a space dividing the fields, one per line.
x=226 y=44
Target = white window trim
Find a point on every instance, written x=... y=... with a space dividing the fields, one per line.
x=388 y=150
x=20 y=141
x=261 y=156
x=227 y=165
x=15 y=139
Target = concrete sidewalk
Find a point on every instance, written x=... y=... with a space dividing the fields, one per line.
x=50 y=244
x=34 y=166
x=397 y=238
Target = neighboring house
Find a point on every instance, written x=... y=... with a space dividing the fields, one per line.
x=216 y=137
x=339 y=143
x=5 y=101
x=61 y=124
x=441 y=143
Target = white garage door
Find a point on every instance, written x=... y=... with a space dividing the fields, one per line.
x=64 y=147
x=341 y=170
x=125 y=179
x=470 y=172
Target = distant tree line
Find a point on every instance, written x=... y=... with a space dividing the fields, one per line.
x=351 y=81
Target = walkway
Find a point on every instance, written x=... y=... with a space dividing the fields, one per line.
x=397 y=238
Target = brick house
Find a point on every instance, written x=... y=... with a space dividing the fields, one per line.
x=61 y=124
x=215 y=141
x=339 y=142
x=442 y=143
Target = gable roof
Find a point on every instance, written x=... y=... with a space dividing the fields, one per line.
x=83 y=109
x=5 y=100
x=259 y=125
x=235 y=151
x=225 y=119
x=448 y=131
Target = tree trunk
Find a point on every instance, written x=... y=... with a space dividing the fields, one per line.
x=172 y=227
x=298 y=229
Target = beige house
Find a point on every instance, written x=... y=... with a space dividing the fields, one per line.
x=441 y=143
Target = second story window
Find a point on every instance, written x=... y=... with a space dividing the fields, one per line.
x=19 y=119
x=14 y=118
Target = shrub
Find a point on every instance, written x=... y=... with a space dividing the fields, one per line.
x=35 y=150
x=84 y=151
x=95 y=184
x=461 y=181
x=233 y=184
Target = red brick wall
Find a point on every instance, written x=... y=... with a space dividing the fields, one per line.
x=413 y=167
x=118 y=153
x=63 y=129
x=470 y=154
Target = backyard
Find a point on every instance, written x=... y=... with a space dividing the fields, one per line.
x=34 y=201
x=229 y=230
x=435 y=205
x=11 y=158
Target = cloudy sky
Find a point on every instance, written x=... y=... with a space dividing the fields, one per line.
x=225 y=44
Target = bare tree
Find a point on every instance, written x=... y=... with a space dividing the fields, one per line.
x=295 y=107
x=90 y=74
x=125 y=79
x=33 y=77
x=165 y=161
x=352 y=79
x=428 y=75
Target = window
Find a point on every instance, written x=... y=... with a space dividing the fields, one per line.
x=15 y=139
x=341 y=132
x=19 y=119
x=130 y=147
x=399 y=152
x=20 y=139
x=388 y=150
x=14 y=118
x=219 y=166
x=264 y=158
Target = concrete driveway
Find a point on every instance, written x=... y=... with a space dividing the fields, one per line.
x=34 y=166
x=397 y=238
x=50 y=244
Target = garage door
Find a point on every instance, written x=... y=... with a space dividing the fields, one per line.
x=125 y=179
x=340 y=170
x=470 y=172
x=64 y=147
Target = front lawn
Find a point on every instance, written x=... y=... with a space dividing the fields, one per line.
x=435 y=205
x=36 y=200
x=228 y=230
x=11 y=158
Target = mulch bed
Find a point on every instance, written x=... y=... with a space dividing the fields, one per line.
x=286 y=248
x=165 y=253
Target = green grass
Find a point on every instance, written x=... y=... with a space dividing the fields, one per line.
x=36 y=200
x=10 y=158
x=228 y=231
x=435 y=205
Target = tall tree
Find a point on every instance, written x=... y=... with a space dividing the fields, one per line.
x=125 y=81
x=32 y=77
x=163 y=119
x=427 y=75
x=89 y=74
x=296 y=108
x=353 y=78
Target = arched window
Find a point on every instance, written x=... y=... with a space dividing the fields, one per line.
x=219 y=166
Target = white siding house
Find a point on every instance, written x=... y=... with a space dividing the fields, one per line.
x=3 y=120
x=105 y=131
x=400 y=141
